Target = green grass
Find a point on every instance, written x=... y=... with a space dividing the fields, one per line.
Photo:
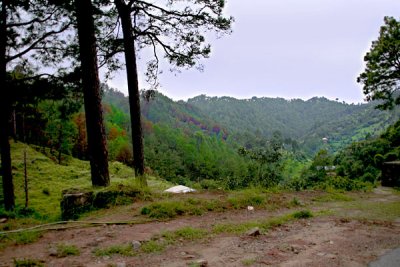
x=248 y=197
x=64 y=250
x=28 y=263
x=153 y=246
x=124 y=250
x=264 y=225
x=167 y=209
x=47 y=179
x=303 y=214
x=186 y=233
x=21 y=238
x=333 y=197
x=248 y=262
x=372 y=210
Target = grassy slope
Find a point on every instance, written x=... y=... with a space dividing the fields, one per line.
x=47 y=179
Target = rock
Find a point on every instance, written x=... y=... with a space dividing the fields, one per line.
x=253 y=232
x=100 y=239
x=74 y=203
x=295 y=249
x=189 y=257
x=3 y=220
x=331 y=242
x=201 y=263
x=53 y=251
x=110 y=234
x=121 y=264
x=136 y=245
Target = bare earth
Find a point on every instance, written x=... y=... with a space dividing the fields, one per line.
x=346 y=237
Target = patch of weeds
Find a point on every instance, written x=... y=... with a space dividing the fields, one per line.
x=20 y=212
x=153 y=246
x=333 y=196
x=275 y=222
x=64 y=250
x=163 y=210
x=378 y=210
x=193 y=201
x=160 y=242
x=248 y=262
x=247 y=197
x=23 y=238
x=303 y=214
x=124 y=250
x=28 y=263
x=264 y=225
x=234 y=228
x=295 y=202
x=171 y=208
x=186 y=233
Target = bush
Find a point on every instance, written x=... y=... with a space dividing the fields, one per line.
x=297 y=184
x=368 y=177
x=210 y=184
x=344 y=183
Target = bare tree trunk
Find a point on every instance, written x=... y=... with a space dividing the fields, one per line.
x=60 y=138
x=26 y=180
x=5 y=107
x=133 y=88
x=91 y=88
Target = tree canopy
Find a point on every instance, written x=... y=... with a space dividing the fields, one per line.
x=381 y=78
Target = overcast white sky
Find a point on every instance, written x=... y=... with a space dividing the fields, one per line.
x=285 y=48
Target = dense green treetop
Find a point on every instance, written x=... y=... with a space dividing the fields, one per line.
x=381 y=78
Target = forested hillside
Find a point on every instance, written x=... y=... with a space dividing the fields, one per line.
x=234 y=142
x=306 y=122
x=302 y=124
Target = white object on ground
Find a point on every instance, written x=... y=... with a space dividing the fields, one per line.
x=180 y=189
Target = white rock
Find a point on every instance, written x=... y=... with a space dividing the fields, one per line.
x=180 y=189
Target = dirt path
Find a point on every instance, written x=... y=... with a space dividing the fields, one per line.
x=354 y=234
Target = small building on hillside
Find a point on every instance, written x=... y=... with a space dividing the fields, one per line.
x=391 y=174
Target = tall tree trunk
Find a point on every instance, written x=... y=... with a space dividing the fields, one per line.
x=5 y=114
x=133 y=88
x=91 y=88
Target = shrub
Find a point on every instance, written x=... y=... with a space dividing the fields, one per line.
x=210 y=184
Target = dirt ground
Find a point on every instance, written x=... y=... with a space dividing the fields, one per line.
x=345 y=237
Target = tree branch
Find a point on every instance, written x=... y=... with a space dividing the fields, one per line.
x=35 y=20
x=32 y=46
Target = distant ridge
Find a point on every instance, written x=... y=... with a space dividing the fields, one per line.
x=306 y=121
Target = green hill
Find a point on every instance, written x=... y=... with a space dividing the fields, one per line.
x=307 y=122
